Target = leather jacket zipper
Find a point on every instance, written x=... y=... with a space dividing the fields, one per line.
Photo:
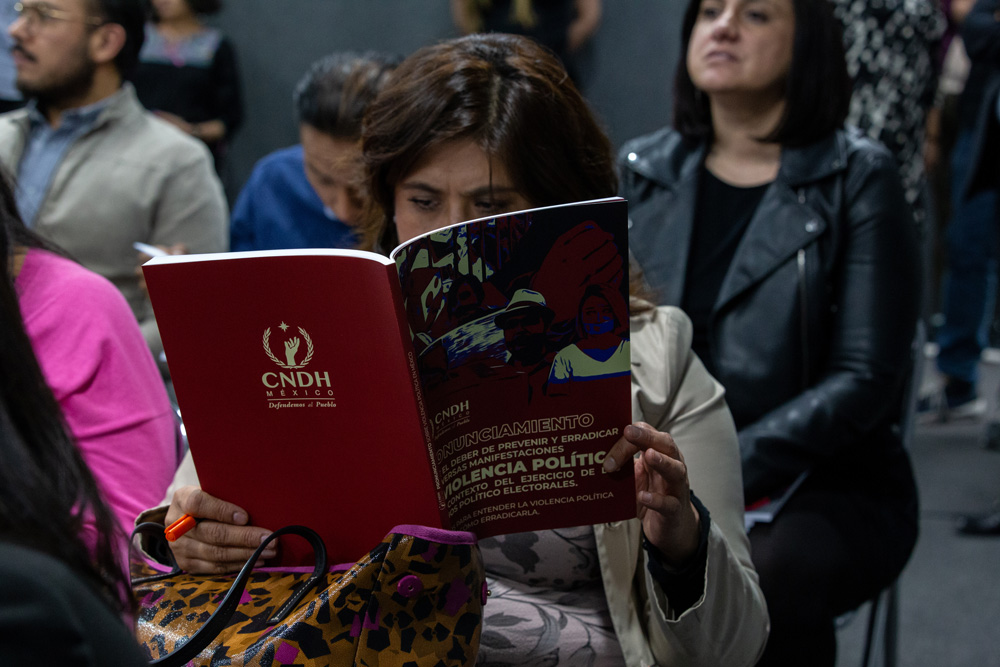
x=803 y=304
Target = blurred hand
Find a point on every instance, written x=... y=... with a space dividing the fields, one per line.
x=932 y=155
x=222 y=541
x=176 y=121
x=663 y=493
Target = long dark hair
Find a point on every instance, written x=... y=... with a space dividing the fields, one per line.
x=131 y=16
x=47 y=493
x=817 y=90
x=510 y=96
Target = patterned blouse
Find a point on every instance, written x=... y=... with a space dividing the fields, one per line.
x=891 y=48
x=547 y=603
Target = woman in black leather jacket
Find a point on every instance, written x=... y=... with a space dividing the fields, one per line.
x=788 y=241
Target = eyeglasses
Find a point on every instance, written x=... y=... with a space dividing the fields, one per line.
x=39 y=15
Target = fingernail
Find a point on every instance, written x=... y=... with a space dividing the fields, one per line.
x=263 y=538
x=240 y=518
x=609 y=464
x=645 y=497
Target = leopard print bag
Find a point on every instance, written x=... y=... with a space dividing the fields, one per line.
x=415 y=599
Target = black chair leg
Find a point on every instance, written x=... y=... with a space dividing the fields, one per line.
x=891 y=625
x=872 y=626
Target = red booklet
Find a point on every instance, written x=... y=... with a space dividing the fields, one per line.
x=471 y=381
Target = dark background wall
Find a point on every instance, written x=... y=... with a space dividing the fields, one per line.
x=626 y=71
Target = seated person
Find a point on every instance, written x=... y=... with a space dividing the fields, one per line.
x=97 y=365
x=64 y=590
x=675 y=585
x=788 y=241
x=307 y=196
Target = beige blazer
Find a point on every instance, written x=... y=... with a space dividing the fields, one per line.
x=728 y=626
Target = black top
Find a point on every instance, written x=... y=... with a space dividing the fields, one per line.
x=51 y=616
x=196 y=79
x=722 y=214
x=551 y=29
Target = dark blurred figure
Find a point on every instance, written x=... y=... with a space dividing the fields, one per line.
x=890 y=48
x=187 y=73
x=564 y=26
x=939 y=142
x=970 y=279
x=981 y=32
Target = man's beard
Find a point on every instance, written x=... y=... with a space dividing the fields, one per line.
x=69 y=86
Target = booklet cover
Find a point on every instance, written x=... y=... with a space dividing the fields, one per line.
x=471 y=381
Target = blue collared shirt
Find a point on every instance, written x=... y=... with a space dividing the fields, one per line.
x=44 y=150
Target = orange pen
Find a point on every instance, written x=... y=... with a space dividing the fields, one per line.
x=176 y=530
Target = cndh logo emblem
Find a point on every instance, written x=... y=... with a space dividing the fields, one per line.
x=293 y=345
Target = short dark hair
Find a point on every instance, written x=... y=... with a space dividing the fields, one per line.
x=817 y=91
x=200 y=7
x=506 y=93
x=335 y=92
x=130 y=15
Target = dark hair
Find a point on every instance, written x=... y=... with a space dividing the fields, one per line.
x=337 y=89
x=205 y=7
x=613 y=298
x=817 y=91
x=130 y=15
x=506 y=93
x=199 y=7
x=47 y=493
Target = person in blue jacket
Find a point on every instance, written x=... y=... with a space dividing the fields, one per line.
x=308 y=195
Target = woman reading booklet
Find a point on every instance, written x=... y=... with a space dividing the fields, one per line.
x=488 y=124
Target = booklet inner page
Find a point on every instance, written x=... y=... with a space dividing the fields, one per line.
x=521 y=330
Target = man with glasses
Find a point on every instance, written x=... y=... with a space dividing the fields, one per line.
x=95 y=172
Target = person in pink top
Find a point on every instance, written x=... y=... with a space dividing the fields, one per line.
x=64 y=595
x=97 y=364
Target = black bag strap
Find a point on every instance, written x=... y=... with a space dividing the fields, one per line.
x=220 y=618
x=158 y=547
